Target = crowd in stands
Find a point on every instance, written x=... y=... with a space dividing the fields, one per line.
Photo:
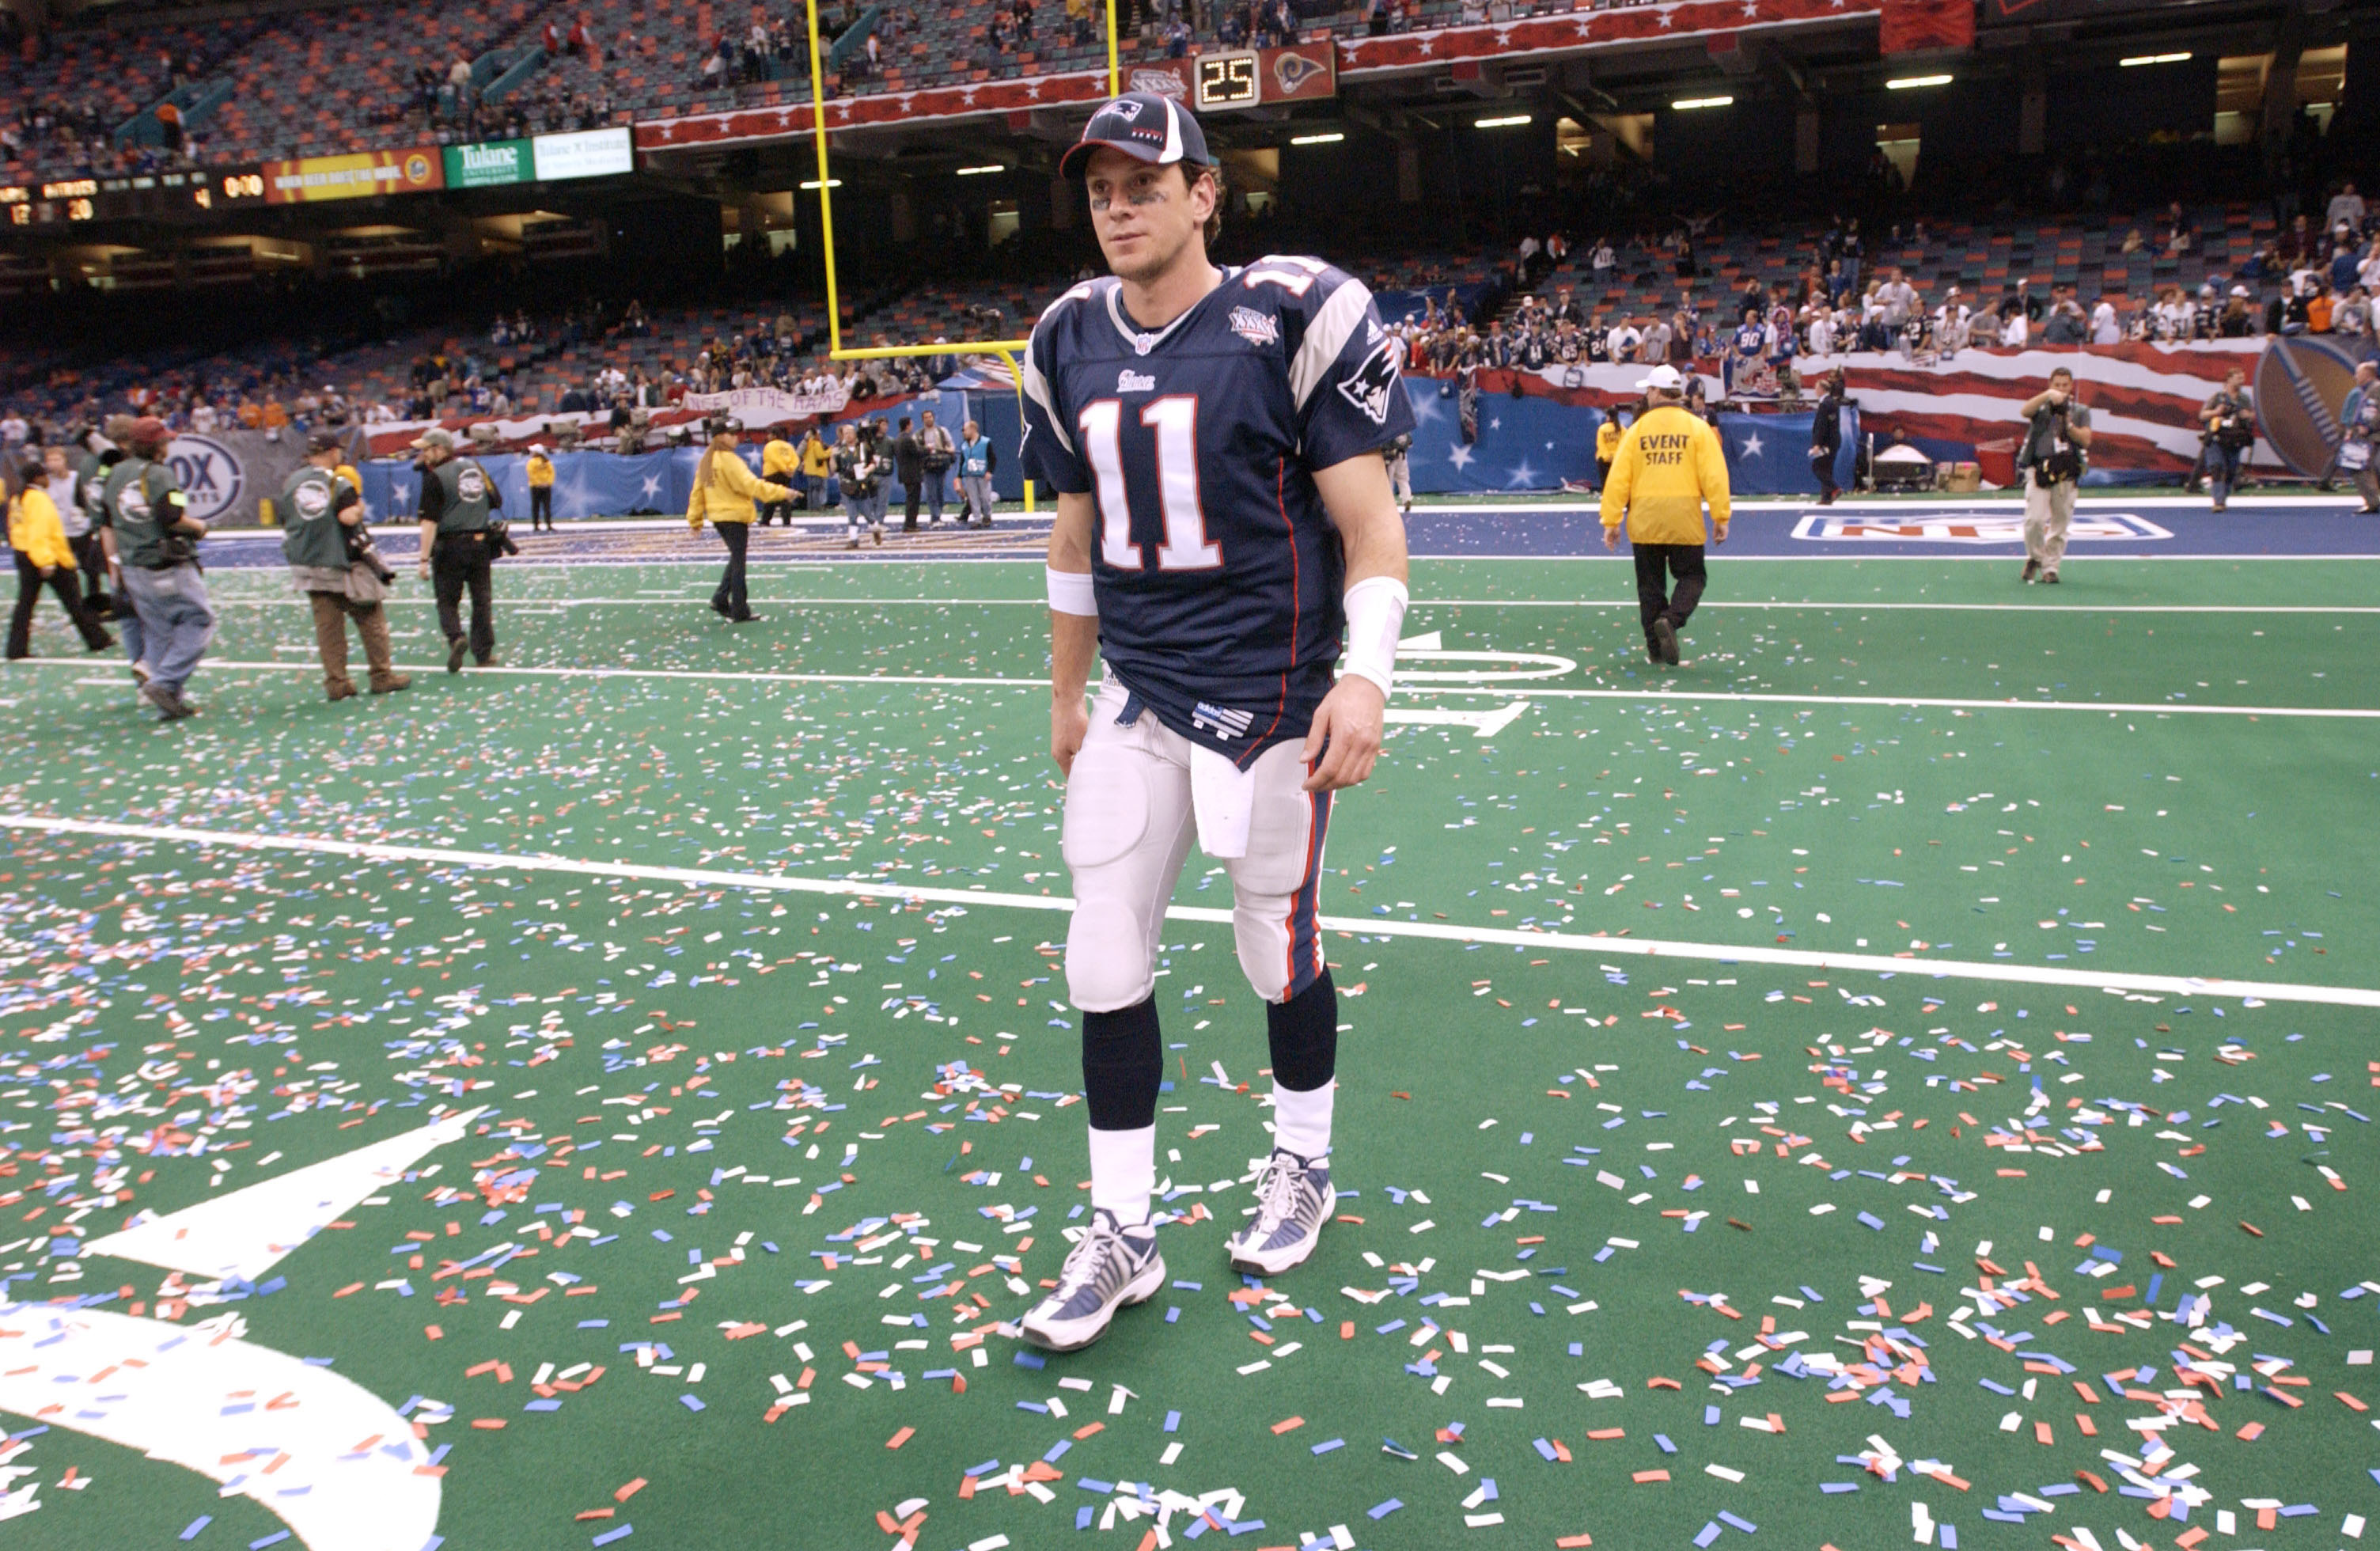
x=1761 y=313
x=352 y=77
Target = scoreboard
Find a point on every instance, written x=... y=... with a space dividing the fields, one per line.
x=1262 y=77
x=129 y=197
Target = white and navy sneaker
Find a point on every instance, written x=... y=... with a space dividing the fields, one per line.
x=1293 y=1200
x=1109 y=1267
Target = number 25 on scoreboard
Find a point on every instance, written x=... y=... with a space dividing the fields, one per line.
x=1227 y=81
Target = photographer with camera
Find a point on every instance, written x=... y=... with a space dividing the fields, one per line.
x=936 y=454
x=1398 y=456
x=2230 y=417
x=460 y=540
x=2052 y=463
x=332 y=563
x=152 y=551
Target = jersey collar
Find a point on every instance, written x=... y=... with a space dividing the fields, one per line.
x=1142 y=340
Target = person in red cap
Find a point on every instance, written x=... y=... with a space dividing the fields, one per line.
x=1224 y=522
x=152 y=551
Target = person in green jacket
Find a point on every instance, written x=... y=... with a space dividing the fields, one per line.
x=458 y=502
x=331 y=561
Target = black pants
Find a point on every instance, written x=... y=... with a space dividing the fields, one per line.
x=729 y=597
x=540 y=507
x=1822 y=468
x=913 y=488
x=92 y=556
x=61 y=582
x=1654 y=564
x=456 y=563
x=783 y=511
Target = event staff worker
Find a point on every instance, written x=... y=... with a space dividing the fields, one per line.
x=44 y=559
x=1826 y=439
x=152 y=550
x=342 y=580
x=817 y=464
x=1607 y=446
x=977 y=460
x=457 y=503
x=64 y=487
x=1669 y=465
x=936 y=454
x=724 y=492
x=781 y=463
x=2056 y=444
x=539 y=469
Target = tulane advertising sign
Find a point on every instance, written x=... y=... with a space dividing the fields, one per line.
x=484 y=165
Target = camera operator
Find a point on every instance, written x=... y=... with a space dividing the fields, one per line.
x=2052 y=461
x=459 y=542
x=2230 y=418
x=152 y=549
x=1400 y=471
x=332 y=563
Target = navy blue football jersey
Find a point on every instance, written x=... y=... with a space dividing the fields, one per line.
x=1218 y=574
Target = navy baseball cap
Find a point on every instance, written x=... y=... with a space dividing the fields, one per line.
x=1140 y=124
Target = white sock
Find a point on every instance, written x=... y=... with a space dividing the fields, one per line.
x=1301 y=1121
x=1123 y=1173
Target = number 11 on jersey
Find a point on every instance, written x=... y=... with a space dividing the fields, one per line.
x=1176 y=420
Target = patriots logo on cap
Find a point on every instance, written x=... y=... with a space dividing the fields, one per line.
x=1369 y=386
x=1124 y=108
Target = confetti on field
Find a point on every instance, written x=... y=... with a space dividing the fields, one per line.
x=729 y=1194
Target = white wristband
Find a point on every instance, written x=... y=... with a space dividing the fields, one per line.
x=1375 y=616
x=1071 y=593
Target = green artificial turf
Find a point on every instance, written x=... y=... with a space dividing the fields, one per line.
x=1475 y=1076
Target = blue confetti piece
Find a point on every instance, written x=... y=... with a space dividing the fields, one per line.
x=1710 y=1416
x=1384 y=1509
x=1949 y=1538
x=1663 y=1439
x=689 y=1402
x=1543 y=1447
x=1746 y=1525
x=1031 y=1359
x=608 y=1536
x=275 y=1538
x=203 y=1520
x=1710 y=1531
x=1326 y=1447
x=1173 y=1420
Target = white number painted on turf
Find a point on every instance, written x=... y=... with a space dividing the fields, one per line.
x=1175 y=419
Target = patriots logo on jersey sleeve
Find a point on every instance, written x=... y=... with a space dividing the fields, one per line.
x=1368 y=387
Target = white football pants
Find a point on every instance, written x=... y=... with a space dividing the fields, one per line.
x=1128 y=827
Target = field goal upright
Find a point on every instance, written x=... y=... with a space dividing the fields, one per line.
x=1006 y=349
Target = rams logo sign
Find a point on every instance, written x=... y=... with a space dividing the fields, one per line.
x=2300 y=385
x=1291 y=71
x=1300 y=74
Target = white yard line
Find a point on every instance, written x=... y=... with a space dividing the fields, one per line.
x=703 y=878
x=1529 y=690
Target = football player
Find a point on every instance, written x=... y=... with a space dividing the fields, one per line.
x=1224 y=516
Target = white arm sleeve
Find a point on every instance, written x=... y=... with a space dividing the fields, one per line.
x=1376 y=617
x=1071 y=593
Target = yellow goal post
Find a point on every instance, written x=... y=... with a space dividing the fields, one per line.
x=1006 y=349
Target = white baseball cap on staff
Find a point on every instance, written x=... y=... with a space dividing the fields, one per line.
x=1662 y=379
